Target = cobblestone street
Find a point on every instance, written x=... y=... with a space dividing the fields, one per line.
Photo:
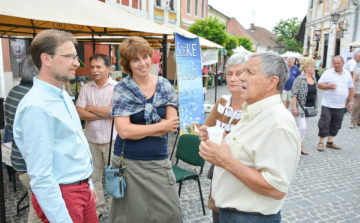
x=326 y=187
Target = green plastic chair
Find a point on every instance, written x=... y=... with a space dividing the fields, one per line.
x=188 y=152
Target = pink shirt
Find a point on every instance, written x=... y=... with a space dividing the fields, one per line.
x=97 y=131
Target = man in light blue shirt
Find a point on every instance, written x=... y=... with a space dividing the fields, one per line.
x=48 y=133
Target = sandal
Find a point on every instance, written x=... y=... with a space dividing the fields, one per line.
x=303 y=152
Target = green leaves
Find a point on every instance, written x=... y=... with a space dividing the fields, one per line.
x=287 y=30
x=215 y=31
x=211 y=29
x=246 y=43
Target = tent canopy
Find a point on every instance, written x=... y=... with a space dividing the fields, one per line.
x=80 y=17
x=241 y=50
x=203 y=42
x=291 y=54
x=354 y=44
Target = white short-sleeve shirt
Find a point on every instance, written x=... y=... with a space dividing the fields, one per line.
x=335 y=98
x=350 y=65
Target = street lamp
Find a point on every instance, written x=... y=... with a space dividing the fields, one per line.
x=335 y=18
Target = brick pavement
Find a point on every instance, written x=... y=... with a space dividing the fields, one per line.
x=326 y=187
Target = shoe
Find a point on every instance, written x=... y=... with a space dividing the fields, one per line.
x=320 y=147
x=352 y=125
x=303 y=152
x=332 y=146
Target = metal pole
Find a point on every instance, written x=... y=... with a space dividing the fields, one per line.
x=215 y=79
x=164 y=56
x=93 y=40
x=2 y=196
x=117 y=54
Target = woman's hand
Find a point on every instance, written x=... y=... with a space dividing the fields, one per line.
x=294 y=111
x=170 y=125
x=203 y=136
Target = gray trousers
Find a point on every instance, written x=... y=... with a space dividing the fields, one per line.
x=330 y=121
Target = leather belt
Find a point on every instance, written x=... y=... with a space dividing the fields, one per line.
x=233 y=209
x=78 y=182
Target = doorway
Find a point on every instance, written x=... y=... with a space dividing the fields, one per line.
x=326 y=44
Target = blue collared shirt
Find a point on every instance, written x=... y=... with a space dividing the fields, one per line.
x=48 y=133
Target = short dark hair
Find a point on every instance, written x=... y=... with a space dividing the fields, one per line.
x=47 y=41
x=103 y=57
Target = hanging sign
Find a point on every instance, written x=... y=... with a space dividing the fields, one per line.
x=188 y=69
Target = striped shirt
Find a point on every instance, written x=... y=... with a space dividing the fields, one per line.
x=12 y=100
x=97 y=131
x=222 y=115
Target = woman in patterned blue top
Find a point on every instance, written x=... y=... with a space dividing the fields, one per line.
x=145 y=109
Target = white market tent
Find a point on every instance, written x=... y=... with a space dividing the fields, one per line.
x=203 y=42
x=354 y=44
x=291 y=54
x=80 y=17
x=241 y=50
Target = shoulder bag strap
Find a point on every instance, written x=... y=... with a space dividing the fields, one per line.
x=112 y=130
x=123 y=146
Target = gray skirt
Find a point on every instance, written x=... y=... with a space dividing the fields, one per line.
x=150 y=194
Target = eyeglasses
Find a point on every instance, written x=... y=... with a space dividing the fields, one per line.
x=68 y=56
x=228 y=125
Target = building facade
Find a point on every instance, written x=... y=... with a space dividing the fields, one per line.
x=325 y=37
x=159 y=11
x=191 y=10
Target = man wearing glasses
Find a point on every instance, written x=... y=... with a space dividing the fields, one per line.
x=48 y=133
x=257 y=160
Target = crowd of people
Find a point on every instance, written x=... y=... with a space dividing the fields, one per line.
x=62 y=166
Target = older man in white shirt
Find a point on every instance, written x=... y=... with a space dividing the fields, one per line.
x=338 y=85
x=257 y=161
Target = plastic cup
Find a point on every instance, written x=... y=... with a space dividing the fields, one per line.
x=215 y=134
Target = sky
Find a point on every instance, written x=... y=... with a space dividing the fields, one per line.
x=267 y=13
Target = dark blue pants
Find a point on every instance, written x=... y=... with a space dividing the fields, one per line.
x=229 y=216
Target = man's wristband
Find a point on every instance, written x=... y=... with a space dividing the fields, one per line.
x=294 y=108
x=351 y=102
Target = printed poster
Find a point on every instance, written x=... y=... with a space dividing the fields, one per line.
x=191 y=96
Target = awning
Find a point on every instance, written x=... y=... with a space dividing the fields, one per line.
x=354 y=44
x=81 y=17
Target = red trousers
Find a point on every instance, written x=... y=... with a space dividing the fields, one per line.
x=79 y=202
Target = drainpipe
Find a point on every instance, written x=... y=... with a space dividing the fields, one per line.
x=356 y=19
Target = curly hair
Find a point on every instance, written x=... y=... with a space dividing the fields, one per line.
x=129 y=50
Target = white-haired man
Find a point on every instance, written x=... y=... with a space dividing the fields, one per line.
x=257 y=160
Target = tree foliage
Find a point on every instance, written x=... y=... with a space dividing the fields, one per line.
x=211 y=29
x=287 y=30
x=231 y=43
x=246 y=43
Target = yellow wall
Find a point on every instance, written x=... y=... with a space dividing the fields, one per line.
x=159 y=12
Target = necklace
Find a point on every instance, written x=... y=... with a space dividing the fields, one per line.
x=147 y=90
